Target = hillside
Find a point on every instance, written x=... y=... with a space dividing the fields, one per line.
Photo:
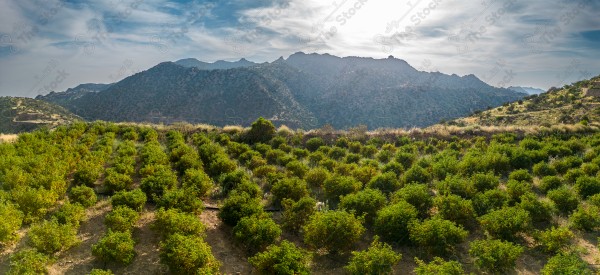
x=134 y=199
x=567 y=105
x=19 y=114
x=303 y=91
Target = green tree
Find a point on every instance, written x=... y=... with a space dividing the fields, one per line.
x=314 y=143
x=438 y=236
x=495 y=256
x=159 y=183
x=418 y=195
x=261 y=130
x=379 y=258
x=587 y=186
x=71 y=214
x=188 y=255
x=417 y=174
x=184 y=199
x=392 y=221
x=115 y=247
x=282 y=259
x=333 y=230
x=456 y=209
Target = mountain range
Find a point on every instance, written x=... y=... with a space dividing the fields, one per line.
x=526 y=90
x=302 y=91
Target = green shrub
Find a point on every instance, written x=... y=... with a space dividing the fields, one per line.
x=188 y=255
x=261 y=130
x=83 y=195
x=543 y=169
x=87 y=174
x=316 y=177
x=11 y=220
x=96 y=271
x=516 y=189
x=490 y=200
x=289 y=188
x=134 y=199
x=392 y=222
x=337 y=153
x=365 y=173
x=566 y=264
x=520 y=175
x=256 y=232
x=456 y=209
x=590 y=169
x=314 y=143
x=157 y=184
x=418 y=195
x=379 y=258
x=555 y=239
x=71 y=214
x=186 y=200
x=550 y=183
x=406 y=159
x=364 y=203
x=456 y=185
x=50 y=237
x=495 y=256
x=338 y=186
x=297 y=168
x=417 y=174
x=173 y=221
x=115 y=181
x=505 y=223
x=586 y=218
x=436 y=235
x=284 y=258
x=333 y=230
x=573 y=174
x=564 y=198
x=587 y=186
x=121 y=218
x=483 y=182
x=220 y=165
x=539 y=211
x=237 y=206
x=115 y=247
x=231 y=180
x=438 y=266
x=594 y=200
x=28 y=261
x=386 y=183
x=296 y=213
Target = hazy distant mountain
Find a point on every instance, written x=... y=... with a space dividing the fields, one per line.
x=71 y=94
x=527 y=90
x=218 y=65
x=305 y=90
x=20 y=114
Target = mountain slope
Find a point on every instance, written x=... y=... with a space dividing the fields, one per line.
x=20 y=114
x=568 y=105
x=306 y=90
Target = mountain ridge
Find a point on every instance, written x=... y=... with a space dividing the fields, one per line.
x=304 y=91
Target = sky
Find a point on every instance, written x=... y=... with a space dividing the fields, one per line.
x=52 y=45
